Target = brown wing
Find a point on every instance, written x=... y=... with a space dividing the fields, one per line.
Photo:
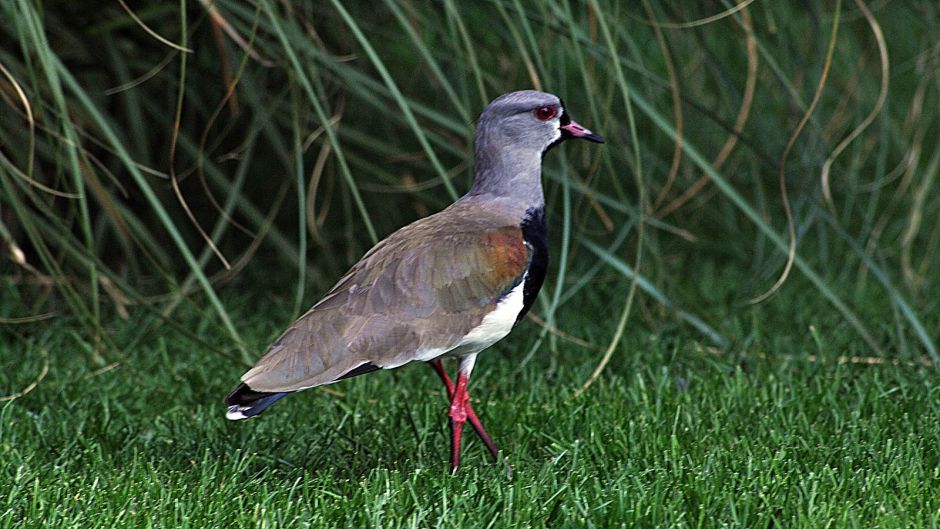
x=422 y=289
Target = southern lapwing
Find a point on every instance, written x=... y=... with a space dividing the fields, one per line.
x=448 y=285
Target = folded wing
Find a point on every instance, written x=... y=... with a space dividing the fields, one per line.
x=412 y=297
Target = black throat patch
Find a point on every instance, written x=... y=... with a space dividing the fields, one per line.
x=535 y=235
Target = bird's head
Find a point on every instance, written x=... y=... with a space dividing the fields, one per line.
x=528 y=119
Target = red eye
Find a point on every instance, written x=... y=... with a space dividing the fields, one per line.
x=545 y=113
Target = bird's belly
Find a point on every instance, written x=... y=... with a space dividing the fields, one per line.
x=494 y=327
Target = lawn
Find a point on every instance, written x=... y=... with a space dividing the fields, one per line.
x=674 y=433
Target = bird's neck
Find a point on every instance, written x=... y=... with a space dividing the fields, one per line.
x=514 y=174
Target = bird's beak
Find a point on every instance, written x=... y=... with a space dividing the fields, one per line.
x=573 y=130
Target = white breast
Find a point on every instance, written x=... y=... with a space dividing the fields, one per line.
x=497 y=324
x=494 y=327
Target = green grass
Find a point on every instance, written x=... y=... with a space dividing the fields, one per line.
x=132 y=172
x=673 y=434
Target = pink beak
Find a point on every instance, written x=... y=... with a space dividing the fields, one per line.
x=573 y=130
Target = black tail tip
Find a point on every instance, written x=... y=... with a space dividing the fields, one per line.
x=244 y=402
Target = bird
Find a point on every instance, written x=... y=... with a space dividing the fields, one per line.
x=448 y=285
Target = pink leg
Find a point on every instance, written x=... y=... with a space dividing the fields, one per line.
x=458 y=415
x=438 y=366
x=461 y=411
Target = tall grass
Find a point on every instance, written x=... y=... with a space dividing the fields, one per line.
x=159 y=154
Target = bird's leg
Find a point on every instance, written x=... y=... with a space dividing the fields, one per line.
x=438 y=366
x=458 y=415
x=461 y=410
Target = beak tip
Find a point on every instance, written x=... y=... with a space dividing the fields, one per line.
x=574 y=130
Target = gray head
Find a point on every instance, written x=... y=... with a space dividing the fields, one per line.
x=530 y=120
x=513 y=133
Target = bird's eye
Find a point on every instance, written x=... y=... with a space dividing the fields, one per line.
x=545 y=113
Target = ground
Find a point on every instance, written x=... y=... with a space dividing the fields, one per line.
x=674 y=433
